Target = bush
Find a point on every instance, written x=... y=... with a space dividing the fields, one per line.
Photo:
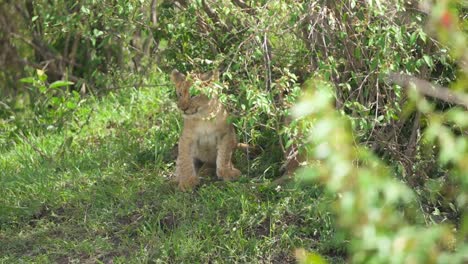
x=366 y=80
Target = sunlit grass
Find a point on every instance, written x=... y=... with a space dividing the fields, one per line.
x=107 y=196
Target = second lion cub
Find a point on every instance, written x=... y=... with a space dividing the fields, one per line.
x=206 y=137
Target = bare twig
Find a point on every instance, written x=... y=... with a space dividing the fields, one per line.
x=39 y=66
x=154 y=13
x=267 y=58
x=244 y=6
x=136 y=85
x=181 y=4
x=41 y=49
x=74 y=50
x=237 y=51
x=412 y=142
x=429 y=89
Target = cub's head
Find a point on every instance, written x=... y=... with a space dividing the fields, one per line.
x=191 y=104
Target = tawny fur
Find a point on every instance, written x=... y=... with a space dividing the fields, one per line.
x=206 y=137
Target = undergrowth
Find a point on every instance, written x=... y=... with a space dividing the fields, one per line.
x=108 y=195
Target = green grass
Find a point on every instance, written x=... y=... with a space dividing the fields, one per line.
x=106 y=194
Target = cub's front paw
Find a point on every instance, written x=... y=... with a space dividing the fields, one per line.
x=229 y=174
x=187 y=184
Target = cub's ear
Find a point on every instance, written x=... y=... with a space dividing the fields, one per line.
x=210 y=76
x=177 y=77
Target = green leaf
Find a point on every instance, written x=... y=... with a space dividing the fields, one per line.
x=428 y=61
x=27 y=80
x=85 y=10
x=97 y=32
x=305 y=257
x=58 y=84
x=413 y=38
x=42 y=88
x=71 y=105
x=357 y=53
x=55 y=101
x=422 y=36
x=41 y=75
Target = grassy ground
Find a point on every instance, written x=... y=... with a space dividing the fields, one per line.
x=99 y=191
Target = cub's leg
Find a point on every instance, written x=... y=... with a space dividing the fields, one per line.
x=185 y=168
x=224 y=167
x=198 y=164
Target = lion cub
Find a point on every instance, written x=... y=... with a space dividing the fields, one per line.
x=206 y=137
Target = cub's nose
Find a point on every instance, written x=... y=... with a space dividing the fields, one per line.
x=183 y=107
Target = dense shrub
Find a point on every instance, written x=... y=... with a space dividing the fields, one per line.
x=374 y=122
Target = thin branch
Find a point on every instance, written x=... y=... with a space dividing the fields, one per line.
x=181 y=4
x=39 y=66
x=244 y=6
x=154 y=13
x=232 y=55
x=429 y=89
x=267 y=58
x=412 y=142
x=43 y=50
x=214 y=17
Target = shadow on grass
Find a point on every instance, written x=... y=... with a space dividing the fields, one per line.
x=108 y=198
